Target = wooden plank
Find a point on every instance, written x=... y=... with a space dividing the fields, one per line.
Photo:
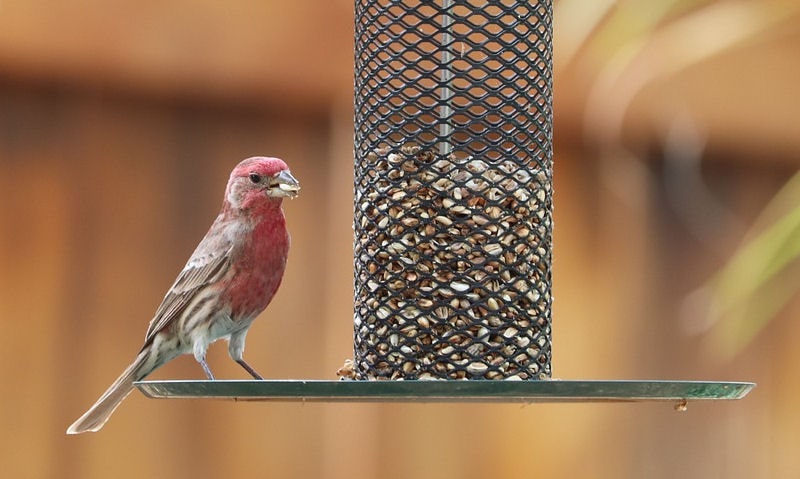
x=258 y=51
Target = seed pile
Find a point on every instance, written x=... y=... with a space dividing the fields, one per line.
x=452 y=268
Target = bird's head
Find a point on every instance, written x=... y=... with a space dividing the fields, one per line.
x=260 y=180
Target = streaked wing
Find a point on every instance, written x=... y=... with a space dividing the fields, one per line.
x=198 y=273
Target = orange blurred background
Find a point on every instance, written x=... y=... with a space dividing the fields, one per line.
x=675 y=124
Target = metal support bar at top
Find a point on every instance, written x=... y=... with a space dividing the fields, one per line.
x=446 y=110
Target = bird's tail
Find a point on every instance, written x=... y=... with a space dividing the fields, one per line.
x=97 y=415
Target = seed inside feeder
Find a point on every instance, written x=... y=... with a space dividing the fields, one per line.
x=453 y=250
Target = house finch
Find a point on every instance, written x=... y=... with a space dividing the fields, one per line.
x=229 y=279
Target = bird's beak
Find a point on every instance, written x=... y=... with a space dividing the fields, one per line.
x=284 y=185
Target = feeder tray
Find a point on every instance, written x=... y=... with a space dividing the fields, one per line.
x=448 y=391
x=452 y=218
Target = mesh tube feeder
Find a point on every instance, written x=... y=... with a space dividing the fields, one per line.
x=453 y=195
x=452 y=217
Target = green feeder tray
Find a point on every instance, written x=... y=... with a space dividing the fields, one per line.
x=449 y=390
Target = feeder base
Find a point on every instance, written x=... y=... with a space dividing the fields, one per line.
x=449 y=390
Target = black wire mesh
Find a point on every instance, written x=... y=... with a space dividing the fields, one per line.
x=453 y=189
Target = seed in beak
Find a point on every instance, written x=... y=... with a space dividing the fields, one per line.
x=287 y=182
x=285 y=187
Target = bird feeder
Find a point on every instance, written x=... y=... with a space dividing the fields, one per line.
x=453 y=190
x=452 y=216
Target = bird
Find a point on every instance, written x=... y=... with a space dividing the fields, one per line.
x=230 y=279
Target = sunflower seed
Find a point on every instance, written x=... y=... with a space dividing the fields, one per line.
x=451 y=254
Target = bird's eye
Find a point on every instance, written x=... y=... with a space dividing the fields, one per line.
x=255 y=178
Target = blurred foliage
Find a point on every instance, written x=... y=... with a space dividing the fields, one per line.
x=757 y=281
x=632 y=45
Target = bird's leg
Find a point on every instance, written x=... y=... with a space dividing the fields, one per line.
x=205 y=367
x=236 y=350
x=249 y=369
x=200 y=348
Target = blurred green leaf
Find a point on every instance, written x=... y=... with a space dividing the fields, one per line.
x=753 y=286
